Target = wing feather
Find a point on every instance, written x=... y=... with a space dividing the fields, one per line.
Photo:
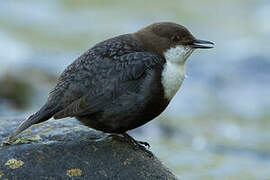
x=128 y=73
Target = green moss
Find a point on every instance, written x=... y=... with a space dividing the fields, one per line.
x=21 y=140
x=94 y=148
x=46 y=130
x=43 y=133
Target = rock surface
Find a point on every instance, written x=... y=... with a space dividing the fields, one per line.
x=64 y=149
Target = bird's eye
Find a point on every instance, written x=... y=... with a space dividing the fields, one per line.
x=176 y=38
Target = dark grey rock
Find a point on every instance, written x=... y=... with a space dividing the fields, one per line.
x=64 y=149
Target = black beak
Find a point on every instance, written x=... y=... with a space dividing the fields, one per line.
x=201 y=44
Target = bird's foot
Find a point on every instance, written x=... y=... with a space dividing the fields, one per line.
x=135 y=144
x=138 y=144
x=131 y=140
x=142 y=143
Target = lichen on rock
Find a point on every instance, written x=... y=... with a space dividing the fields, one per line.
x=14 y=163
x=21 y=140
x=74 y=172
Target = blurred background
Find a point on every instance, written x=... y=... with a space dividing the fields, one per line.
x=217 y=126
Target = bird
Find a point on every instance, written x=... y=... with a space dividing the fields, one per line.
x=123 y=82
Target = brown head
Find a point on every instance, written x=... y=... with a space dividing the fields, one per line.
x=162 y=36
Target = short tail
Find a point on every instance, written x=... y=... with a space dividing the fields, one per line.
x=42 y=115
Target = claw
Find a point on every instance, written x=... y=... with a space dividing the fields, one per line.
x=136 y=144
x=144 y=143
x=139 y=144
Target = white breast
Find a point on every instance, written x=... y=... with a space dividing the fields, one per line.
x=174 y=69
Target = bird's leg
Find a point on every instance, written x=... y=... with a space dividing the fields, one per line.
x=135 y=142
x=131 y=140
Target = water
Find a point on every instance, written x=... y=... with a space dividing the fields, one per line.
x=217 y=126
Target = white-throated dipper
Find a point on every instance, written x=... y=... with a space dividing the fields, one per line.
x=123 y=82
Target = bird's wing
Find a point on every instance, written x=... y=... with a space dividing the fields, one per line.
x=123 y=76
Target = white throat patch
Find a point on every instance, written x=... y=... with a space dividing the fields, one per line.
x=174 y=69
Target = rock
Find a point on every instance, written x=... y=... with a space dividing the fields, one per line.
x=64 y=149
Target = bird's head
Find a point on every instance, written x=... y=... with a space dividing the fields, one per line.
x=173 y=41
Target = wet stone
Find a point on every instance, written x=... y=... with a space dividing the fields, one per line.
x=64 y=149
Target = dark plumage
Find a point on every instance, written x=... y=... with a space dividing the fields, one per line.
x=116 y=85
